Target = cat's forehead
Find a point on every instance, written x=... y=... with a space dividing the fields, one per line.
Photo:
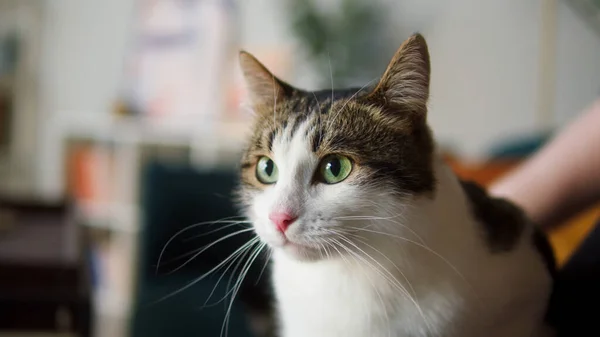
x=315 y=114
x=329 y=95
x=305 y=104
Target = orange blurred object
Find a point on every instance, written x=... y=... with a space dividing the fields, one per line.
x=88 y=173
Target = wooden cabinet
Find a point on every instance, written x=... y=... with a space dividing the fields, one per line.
x=44 y=276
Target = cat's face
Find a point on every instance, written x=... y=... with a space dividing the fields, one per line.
x=323 y=166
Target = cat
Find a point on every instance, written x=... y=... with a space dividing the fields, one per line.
x=371 y=233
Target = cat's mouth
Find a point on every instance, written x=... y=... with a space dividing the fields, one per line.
x=301 y=251
x=293 y=244
x=286 y=243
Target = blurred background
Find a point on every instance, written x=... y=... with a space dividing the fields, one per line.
x=121 y=123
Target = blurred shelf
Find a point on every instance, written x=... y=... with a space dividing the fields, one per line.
x=114 y=216
x=118 y=148
x=175 y=132
x=110 y=303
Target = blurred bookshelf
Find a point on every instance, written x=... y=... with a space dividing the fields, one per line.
x=102 y=166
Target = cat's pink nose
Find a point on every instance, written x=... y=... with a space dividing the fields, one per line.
x=282 y=220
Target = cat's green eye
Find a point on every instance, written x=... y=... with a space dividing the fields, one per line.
x=266 y=171
x=335 y=168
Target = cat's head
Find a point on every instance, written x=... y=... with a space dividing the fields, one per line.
x=331 y=162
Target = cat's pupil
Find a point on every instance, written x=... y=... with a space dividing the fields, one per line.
x=269 y=167
x=334 y=166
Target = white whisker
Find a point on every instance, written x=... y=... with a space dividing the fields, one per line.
x=224 y=220
x=225 y=326
x=387 y=276
x=214 y=230
x=239 y=258
x=337 y=113
x=428 y=249
x=384 y=307
x=203 y=249
x=203 y=276
x=267 y=260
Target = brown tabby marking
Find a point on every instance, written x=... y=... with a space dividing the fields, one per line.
x=503 y=222
x=382 y=129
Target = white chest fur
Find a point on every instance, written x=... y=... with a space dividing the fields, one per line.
x=456 y=286
x=330 y=300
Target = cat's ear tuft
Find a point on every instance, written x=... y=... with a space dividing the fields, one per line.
x=265 y=89
x=405 y=84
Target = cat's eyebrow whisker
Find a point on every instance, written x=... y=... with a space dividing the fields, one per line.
x=274 y=100
x=330 y=74
x=248 y=108
x=317 y=100
x=319 y=117
x=350 y=99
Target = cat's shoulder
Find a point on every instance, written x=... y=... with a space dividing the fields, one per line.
x=504 y=224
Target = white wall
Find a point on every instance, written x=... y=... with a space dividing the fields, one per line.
x=82 y=61
x=485 y=59
x=484 y=71
x=578 y=65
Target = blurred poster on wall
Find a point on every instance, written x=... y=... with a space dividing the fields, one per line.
x=178 y=53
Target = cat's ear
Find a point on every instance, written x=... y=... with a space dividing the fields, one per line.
x=404 y=87
x=265 y=89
